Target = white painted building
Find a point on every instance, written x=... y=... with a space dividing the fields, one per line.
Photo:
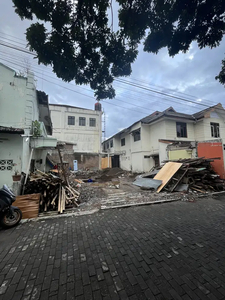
x=80 y=127
x=147 y=142
x=20 y=106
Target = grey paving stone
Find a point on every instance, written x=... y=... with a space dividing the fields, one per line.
x=172 y=251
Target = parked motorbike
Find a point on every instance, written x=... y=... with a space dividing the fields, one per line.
x=9 y=215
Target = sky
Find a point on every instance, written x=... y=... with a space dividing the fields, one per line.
x=189 y=76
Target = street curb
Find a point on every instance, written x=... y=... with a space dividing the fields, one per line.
x=140 y=204
x=76 y=214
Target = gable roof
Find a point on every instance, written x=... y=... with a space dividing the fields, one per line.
x=202 y=113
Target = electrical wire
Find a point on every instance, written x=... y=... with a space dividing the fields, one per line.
x=127 y=82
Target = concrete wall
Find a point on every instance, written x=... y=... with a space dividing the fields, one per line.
x=171 y=131
x=125 y=159
x=18 y=108
x=157 y=131
x=10 y=149
x=206 y=128
x=18 y=103
x=85 y=160
x=86 y=138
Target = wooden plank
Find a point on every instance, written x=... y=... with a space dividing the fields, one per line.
x=29 y=205
x=179 y=180
x=166 y=173
x=62 y=166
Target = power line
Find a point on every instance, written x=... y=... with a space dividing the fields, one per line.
x=115 y=99
x=161 y=93
x=16 y=48
x=155 y=96
x=119 y=100
x=155 y=85
x=127 y=82
x=11 y=40
x=92 y=97
x=13 y=36
x=165 y=88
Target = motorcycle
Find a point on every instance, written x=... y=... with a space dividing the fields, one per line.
x=9 y=215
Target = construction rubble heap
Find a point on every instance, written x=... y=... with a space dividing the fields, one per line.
x=183 y=175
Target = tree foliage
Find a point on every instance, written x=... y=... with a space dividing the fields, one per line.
x=76 y=38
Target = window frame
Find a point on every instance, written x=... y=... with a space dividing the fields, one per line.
x=183 y=130
x=215 y=129
x=121 y=143
x=111 y=143
x=137 y=135
x=90 y=122
x=80 y=121
x=69 y=119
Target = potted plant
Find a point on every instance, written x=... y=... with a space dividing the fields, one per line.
x=16 y=176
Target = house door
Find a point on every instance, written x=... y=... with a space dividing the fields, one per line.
x=115 y=161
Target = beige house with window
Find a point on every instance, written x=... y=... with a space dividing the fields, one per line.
x=164 y=135
x=80 y=128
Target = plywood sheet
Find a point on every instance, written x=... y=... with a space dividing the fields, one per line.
x=105 y=161
x=29 y=205
x=166 y=173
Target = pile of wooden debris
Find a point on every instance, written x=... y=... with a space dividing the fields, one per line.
x=56 y=193
x=196 y=174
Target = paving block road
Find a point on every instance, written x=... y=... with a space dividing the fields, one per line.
x=168 y=251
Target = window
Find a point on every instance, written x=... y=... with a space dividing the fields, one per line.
x=71 y=120
x=82 y=121
x=215 y=130
x=92 y=122
x=137 y=135
x=107 y=145
x=181 y=129
x=111 y=143
x=123 y=142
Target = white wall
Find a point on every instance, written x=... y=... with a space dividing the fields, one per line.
x=86 y=138
x=18 y=103
x=10 y=149
x=205 y=127
x=151 y=134
x=171 y=131
x=18 y=108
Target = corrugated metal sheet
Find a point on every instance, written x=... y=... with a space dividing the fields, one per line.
x=148 y=183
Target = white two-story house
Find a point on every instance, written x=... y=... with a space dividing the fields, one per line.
x=25 y=125
x=164 y=135
x=81 y=130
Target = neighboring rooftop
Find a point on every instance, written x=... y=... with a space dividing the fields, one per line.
x=171 y=113
x=11 y=130
x=69 y=106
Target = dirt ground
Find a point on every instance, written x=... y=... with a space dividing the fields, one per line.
x=114 y=187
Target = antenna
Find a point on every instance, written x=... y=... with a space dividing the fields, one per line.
x=104 y=125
